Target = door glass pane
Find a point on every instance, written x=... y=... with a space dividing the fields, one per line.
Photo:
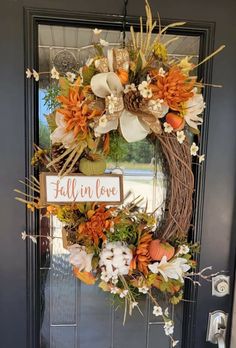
x=73 y=314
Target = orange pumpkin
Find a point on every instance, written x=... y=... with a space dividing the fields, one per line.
x=158 y=249
x=123 y=76
x=176 y=121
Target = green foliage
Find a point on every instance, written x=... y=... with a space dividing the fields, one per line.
x=118 y=147
x=51 y=121
x=44 y=136
x=87 y=73
x=125 y=231
x=50 y=98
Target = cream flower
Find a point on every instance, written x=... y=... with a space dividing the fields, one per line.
x=124 y=293
x=80 y=258
x=174 y=343
x=192 y=108
x=167 y=127
x=23 y=235
x=144 y=90
x=161 y=72
x=55 y=74
x=157 y=311
x=114 y=290
x=104 y=43
x=70 y=76
x=28 y=73
x=185 y=65
x=143 y=290
x=35 y=75
x=173 y=269
x=180 y=136
x=183 y=249
x=134 y=304
x=97 y=31
x=103 y=121
x=169 y=327
x=60 y=134
x=194 y=149
x=130 y=88
x=201 y=158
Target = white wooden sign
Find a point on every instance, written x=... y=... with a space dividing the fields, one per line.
x=106 y=188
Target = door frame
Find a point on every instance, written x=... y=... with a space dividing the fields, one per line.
x=32 y=18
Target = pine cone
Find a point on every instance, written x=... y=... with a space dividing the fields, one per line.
x=56 y=151
x=133 y=101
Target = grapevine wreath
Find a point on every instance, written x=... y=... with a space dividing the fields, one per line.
x=128 y=92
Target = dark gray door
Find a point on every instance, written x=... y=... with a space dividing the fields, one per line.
x=30 y=295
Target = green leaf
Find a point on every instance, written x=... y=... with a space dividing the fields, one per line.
x=194 y=131
x=64 y=85
x=87 y=73
x=51 y=121
x=104 y=286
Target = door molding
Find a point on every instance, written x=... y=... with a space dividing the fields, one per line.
x=32 y=18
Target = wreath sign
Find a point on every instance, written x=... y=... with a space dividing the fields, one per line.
x=128 y=93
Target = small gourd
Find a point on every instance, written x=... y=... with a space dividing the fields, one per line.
x=92 y=167
x=176 y=121
x=123 y=76
x=158 y=249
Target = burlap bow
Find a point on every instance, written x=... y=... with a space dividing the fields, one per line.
x=134 y=127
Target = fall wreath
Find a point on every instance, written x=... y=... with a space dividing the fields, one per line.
x=133 y=92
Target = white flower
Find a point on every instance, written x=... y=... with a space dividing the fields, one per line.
x=130 y=88
x=192 y=108
x=112 y=103
x=23 y=235
x=104 y=42
x=103 y=121
x=28 y=73
x=34 y=239
x=70 y=76
x=174 y=343
x=173 y=269
x=169 y=327
x=144 y=89
x=157 y=311
x=157 y=107
x=194 y=149
x=201 y=158
x=134 y=304
x=55 y=73
x=161 y=72
x=115 y=259
x=35 y=75
x=180 y=136
x=124 y=293
x=166 y=312
x=80 y=258
x=97 y=31
x=167 y=127
x=60 y=134
x=183 y=249
x=114 y=290
x=143 y=290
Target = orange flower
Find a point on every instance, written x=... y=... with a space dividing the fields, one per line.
x=76 y=112
x=174 y=88
x=141 y=255
x=98 y=223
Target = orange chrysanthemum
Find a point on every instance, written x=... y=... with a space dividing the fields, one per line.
x=76 y=111
x=174 y=88
x=141 y=255
x=99 y=221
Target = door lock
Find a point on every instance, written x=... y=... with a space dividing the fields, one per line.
x=217 y=325
x=220 y=285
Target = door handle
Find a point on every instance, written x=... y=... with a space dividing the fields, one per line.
x=220 y=340
x=217 y=325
